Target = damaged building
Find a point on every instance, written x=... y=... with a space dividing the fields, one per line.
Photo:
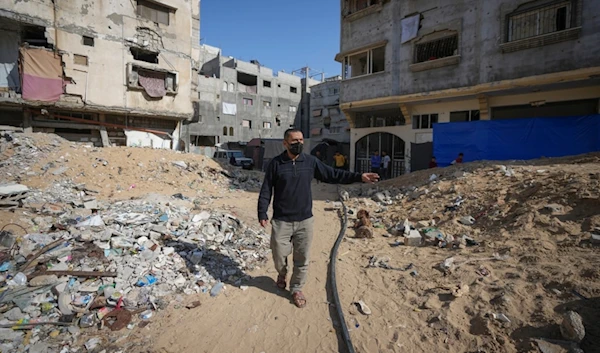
x=103 y=72
x=410 y=64
x=239 y=101
x=329 y=128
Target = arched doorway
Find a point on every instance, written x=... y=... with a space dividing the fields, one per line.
x=380 y=141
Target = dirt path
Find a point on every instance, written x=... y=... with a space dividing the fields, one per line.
x=261 y=318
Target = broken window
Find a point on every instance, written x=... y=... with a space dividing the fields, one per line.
x=156 y=81
x=550 y=18
x=35 y=35
x=247 y=123
x=267 y=84
x=293 y=90
x=436 y=49
x=357 y=5
x=267 y=104
x=80 y=60
x=277 y=120
x=231 y=87
x=467 y=115
x=266 y=125
x=88 y=41
x=231 y=131
x=225 y=86
x=317 y=112
x=153 y=11
x=144 y=55
x=424 y=121
x=246 y=82
x=248 y=101
x=224 y=130
x=333 y=111
x=365 y=63
x=293 y=109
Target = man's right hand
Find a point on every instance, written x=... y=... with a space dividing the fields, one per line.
x=264 y=222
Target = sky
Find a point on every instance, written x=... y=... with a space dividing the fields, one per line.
x=280 y=34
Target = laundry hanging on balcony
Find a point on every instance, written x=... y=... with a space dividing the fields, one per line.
x=41 y=74
x=410 y=28
x=229 y=108
x=153 y=83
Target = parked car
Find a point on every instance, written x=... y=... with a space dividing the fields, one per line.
x=236 y=158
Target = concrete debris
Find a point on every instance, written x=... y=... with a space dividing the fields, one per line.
x=413 y=238
x=572 y=328
x=467 y=220
x=150 y=249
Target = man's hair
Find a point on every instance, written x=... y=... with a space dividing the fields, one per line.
x=461 y=154
x=287 y=132
x=432 y=157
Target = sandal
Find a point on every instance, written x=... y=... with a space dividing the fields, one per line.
x=281 y=282
x=299 y=299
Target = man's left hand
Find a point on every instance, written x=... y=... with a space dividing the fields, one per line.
x=370 y=178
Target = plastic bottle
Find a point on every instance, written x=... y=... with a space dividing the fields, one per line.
x=20 y=279
x=216 y=289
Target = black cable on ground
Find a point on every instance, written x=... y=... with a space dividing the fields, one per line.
x=333 y=283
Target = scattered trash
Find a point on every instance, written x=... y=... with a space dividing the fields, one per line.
x=148 y=280
x=467 y=220
x=413 y=238
x=363 y=308
x=146 y=315
x=193 y=305
x=447 y=266
x=499 y=317
x=216 y=289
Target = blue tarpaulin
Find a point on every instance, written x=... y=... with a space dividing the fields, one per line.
x=519 y=139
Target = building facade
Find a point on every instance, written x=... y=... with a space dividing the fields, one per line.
x=410 y=64
x=328 y=125
x=106 y=72
x=239 y=101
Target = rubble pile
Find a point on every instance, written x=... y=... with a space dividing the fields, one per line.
x=77 y=266
x=20 y=152
x=448 y=211
x=134 y=256
x=480 y=257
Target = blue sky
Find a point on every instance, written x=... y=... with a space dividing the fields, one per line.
x=280 y=34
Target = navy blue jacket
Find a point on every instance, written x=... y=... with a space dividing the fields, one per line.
x=291 y=180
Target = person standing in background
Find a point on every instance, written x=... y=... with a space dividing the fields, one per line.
x=340 y=161
x=375 y=162
x=459 y=159
x=385 y=165
x=433 y=163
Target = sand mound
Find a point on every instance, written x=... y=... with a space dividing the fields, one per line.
x=534 y=261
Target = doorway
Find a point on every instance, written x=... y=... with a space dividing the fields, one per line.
x=380 y=141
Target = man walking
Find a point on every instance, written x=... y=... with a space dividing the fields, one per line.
x=288 y=179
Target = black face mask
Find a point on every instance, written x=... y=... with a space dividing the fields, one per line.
x=296 y=148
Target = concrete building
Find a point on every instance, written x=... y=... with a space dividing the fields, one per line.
x=239 y=101
x=409 y=64
x=328 y=125
x=122 y=72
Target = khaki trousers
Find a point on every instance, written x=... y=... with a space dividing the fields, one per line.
x=288 y=238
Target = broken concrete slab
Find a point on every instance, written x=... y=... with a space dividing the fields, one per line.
x=60 y=170
x=12 y=189
x=413 y=238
